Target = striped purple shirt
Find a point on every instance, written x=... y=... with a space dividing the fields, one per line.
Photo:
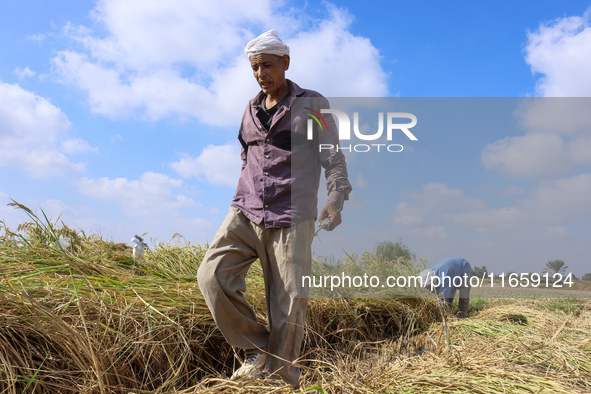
x=281 y=168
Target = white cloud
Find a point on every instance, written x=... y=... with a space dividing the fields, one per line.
x=53 y=209
x=435 y=232
x=529 y=155
x=36 y=37
x=435 y=206
x=561 y=51
x=74 y=217
x=551 y=205
x=361 y=181
x=76 y=145
x=31 y=129
x=512 y=191
x=328 y=59
x=408 y=215
x=562 y=199
x=150 y=195
x=158 y=212
x=557 y=138
x=219 y=165
x=490 y=220
x=438 y=197
x=436 y=203
x=566 y=116
x=24 y=73
x=196 y=32
x=197 y=223
x=186 y=58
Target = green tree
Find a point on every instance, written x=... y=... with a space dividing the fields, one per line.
x=390 y=251
x=586 y=276
x=479 y=271
x=556 y=267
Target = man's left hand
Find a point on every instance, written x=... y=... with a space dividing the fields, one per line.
x=333 y=212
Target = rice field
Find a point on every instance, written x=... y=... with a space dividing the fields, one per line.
x=87 y=320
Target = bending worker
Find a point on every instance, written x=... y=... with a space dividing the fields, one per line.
x=272 y=217
x=447 y=277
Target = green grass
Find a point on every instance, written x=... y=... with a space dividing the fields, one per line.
x=85 y=320
x=571 y=306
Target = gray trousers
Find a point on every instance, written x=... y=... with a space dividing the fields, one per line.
x=464 y=301
x=285 y=256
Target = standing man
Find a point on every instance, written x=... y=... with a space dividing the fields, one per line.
x=272 y=218
x=447 y=277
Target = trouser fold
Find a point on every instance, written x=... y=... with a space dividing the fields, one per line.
x=285 y=256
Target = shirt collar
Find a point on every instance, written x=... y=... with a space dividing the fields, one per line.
x=294 y=91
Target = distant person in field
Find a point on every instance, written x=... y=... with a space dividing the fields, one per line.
x=443 y=279
x=265 y=222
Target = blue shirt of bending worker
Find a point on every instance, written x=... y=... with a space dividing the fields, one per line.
x=446 y=270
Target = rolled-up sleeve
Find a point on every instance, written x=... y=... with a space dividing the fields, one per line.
x=333 y=161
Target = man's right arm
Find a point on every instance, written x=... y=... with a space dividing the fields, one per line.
x=335 y=171
x=333 y=161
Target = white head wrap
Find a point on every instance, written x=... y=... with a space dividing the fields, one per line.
x=267 y=42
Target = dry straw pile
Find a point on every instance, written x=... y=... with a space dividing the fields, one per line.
x=83 y=320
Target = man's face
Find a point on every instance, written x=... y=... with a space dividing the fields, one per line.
x=269 y=71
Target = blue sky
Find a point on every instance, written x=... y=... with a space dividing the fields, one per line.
x=124 y=119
